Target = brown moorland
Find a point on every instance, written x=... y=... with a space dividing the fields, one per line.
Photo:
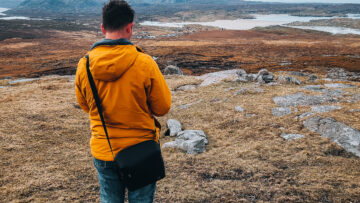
x=44 y=135
x=45 y=154
x=275 y=48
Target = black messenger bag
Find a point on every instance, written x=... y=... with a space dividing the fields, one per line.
x=139 y=165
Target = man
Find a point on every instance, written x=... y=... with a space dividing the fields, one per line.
x=131 y=89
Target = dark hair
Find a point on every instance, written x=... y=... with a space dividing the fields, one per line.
x=117 y=14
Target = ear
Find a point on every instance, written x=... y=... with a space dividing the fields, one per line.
x=128 y=28
x=103 y=29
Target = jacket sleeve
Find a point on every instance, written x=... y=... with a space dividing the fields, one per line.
x=79 y=86
x=160 y=95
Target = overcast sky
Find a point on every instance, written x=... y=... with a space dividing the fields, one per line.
x=311 y=1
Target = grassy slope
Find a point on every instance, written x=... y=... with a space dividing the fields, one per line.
x=45 y=154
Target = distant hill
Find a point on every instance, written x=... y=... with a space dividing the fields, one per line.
x=10 y=3
x=62 y=5
x=95 y=5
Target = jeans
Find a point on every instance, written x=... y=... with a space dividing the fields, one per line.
x=113 y=191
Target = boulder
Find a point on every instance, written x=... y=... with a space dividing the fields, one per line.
x=281 y=111
x=174 y=127
x=191 y=141
x=264 y=76
x=288 y=80
x=290 y=137
x=323 y=109
x=172 y=70
x=217 y=77
x=339 y=133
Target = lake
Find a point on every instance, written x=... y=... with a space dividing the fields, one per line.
x=11 y=17
x=259 y=21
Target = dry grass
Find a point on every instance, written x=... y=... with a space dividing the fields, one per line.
x=45 y=155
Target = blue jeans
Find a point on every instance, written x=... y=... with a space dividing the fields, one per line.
x=113 y=191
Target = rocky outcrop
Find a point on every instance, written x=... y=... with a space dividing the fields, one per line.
x=340 y=74
x=343 y=135
x=191 y=141
x=217 y=77
x=172 y=70
x=238 y=75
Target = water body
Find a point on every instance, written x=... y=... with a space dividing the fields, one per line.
x=3 y=10
x=333 y=30
x=259 y=21
x=12 y=17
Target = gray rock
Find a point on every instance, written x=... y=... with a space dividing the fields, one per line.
x=354 y=98
x=300 y=99
x=323 y=109
x=333 y=93
x=354 y=110
x=2 y=87
x=263 y=72
x=217 y=77
x=239 y=109
x=338 y=85
x=290 y=137
x=288 y=80
x=268 y=78
x=281 y=111
x=242 y=76
x=304 y=115
x=312 y=78
x=337 y=74
x=339 y=133
x=174 y=127
x=251 y=77
x=191 y=141
x=318 y=88
x=264 y=76
x=186 y=87
x=173 y=70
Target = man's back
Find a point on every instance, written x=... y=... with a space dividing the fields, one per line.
x=132 y=90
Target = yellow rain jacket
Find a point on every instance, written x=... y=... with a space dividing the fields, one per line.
x=131 y=89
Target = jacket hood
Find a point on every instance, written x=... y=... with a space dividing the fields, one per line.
x=110 y=59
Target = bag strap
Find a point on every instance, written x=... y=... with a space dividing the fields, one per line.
x=97 y=100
